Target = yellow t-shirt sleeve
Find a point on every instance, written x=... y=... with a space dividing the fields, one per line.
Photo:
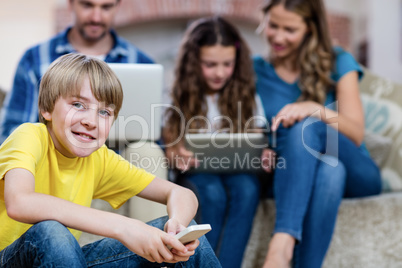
x=23 y=148
x=120 y=180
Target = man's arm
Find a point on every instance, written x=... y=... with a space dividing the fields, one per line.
x=20 y=105
x=25 y=205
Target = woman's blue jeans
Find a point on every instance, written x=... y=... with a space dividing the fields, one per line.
x=50 y=244
x=321 y=167
x=228 y=202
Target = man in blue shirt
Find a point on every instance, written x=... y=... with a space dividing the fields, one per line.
x=91 y=34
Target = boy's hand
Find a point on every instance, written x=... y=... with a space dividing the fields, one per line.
x=173 y=227
x=151 y=243
x=147 y=241
x=184 y=256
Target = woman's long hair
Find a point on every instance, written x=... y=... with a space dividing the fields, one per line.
x=236 y=100
x=316 y=57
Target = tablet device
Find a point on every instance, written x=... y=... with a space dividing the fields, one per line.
x=227 y=152
x=140 y=114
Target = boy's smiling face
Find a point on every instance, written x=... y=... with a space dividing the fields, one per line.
x=79 y=125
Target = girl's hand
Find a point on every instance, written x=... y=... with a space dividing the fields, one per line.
x=268 y=160
x=295 y=112
x=180 y=157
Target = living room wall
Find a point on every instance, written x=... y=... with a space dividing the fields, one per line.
x=377 y=22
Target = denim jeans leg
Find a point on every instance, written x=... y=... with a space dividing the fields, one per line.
x=324 y=145
x=45 y=244
x=293 y=183
x=243 y=198
x=321 y=215
x=212 y=199
x=107 y=253
x=363 y=175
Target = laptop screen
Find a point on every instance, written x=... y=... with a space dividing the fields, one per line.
x=140 y=114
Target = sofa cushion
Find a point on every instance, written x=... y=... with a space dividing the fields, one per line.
x=382 y=103
x=379 y=147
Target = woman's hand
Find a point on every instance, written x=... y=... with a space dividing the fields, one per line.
x=295 y=112
x=181 y=158
x=348 y=119
x=268 y=160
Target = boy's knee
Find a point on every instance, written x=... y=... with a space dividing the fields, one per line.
x=51 y=233
x=50 y=242
x=48 y=228
x=159 y=222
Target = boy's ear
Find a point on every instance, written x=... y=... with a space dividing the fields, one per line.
x=46 y=115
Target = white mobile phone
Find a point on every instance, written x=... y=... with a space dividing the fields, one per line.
x=193 y=232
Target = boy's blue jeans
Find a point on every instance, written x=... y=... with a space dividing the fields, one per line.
x=50 y=244
x=322 y=166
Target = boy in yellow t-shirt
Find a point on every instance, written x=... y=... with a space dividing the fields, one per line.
x=50 y=172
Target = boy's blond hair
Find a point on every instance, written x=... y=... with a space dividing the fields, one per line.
x=65 y=76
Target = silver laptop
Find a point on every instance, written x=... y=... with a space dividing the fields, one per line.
x=227 y=152
x=140 y=115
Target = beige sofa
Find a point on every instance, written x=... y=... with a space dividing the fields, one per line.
x=368 y=231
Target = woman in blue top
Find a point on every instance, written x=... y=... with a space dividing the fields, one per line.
x=310 y=93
